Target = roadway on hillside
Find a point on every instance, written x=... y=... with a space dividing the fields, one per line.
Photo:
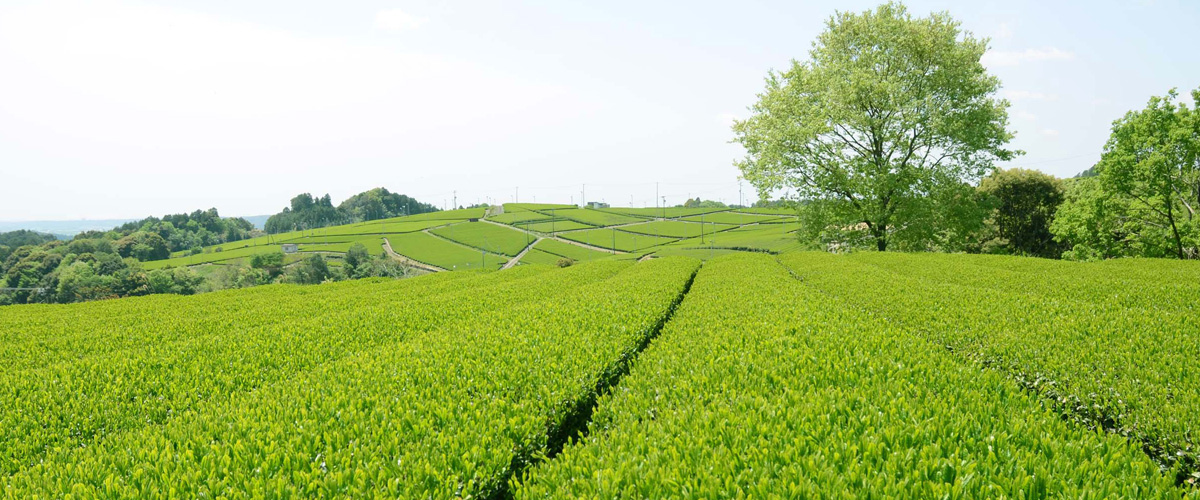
x=517 y=260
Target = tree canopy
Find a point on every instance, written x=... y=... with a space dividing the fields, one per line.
x=1144 y=197
x=1025 y=202
x=308 y=212
x=890 y=115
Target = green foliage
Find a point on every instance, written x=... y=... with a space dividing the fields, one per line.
x=519 y=216
x=181 y=281
x=217 y=254
x=804 y=375
x=595 y=217
x=772 y=238
x=763 y=386
x=429 y=249
x=143 y=246
x=271 y=262
x=612 y=238
x=186 y=231
x=698 y=203
x=306 y=212
x=1108 y=345
x=661 y=212
x=1141 y=198
x=231 y=277
x=437 y=386
x=535 y=256
x=379 y=203
x=676 y=228
x=356 y=256
x=551 y=226
x=888 y=111
x=487 y=236
x=1025 y=204
x=1093 y=224
x=22 y=237
x=735 y=218
x=523 y=207
x=310 y=271
x=573 y=252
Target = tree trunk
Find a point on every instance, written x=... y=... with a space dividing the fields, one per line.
x=879 y=231
x=1175 y=230
x=880 y=238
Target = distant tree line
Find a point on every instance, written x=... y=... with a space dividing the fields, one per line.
x=85 y=268
x=153 y=238
x=107 y=264
x=308 y=212
x=698 y=203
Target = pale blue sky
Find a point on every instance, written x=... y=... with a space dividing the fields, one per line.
x=115 y=108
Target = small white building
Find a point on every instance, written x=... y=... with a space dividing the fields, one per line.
x=290 y=248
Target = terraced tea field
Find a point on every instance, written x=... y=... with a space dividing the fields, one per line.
x=479 y=238
x=750 y=375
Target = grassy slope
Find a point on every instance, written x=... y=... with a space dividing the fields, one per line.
x=591 y=226
x=574 y=252
x=430 y=249
x=487 y=236
x=610 y=238
x=676 y=229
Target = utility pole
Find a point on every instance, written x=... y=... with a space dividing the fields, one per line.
x=583 y=195
x=740 y=203
x=517 y=195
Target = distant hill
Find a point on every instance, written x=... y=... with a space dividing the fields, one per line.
x=67 y=229
x=258 y=220
x=64 y=229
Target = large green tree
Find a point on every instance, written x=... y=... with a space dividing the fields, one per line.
x=1152 y=158
x=1025 y=202
x=888 y=111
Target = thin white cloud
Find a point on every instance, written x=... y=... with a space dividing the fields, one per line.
x=997 y=58
x=1003 y=32
x=1026 y=95
x=397 y=20
x=1049 y=132
x=1025 y=115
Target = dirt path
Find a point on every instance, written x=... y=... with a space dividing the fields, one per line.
x=516 y=260
x=387 y=246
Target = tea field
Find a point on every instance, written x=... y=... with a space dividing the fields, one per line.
x=750 y=374
x=477 y=238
